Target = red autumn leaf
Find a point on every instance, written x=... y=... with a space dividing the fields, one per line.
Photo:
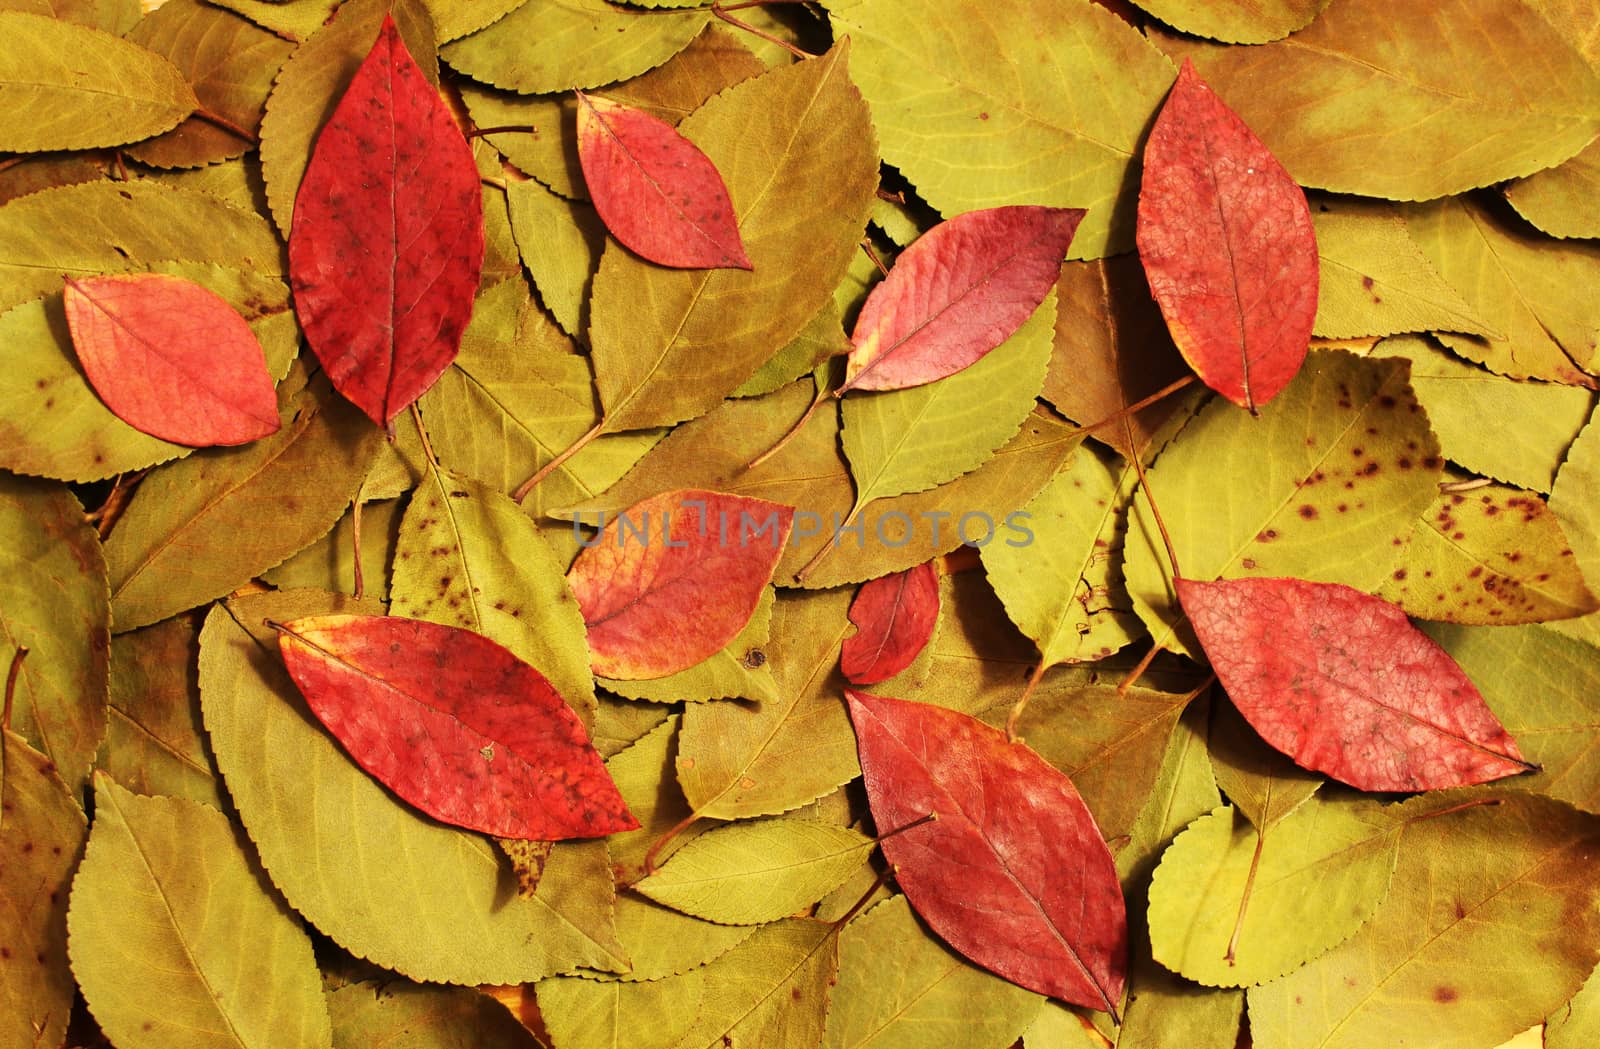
x=957 y=292
x=1226 y=240
x=171 y=359
x=386 y=247
x=672 y=579
x=655 y=191
x=894 y=617
x=1013 y=872
x=454 y=724
x=1342 y=683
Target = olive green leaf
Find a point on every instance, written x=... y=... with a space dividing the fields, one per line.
x=560 y=241
x=760 y=871
x=1232 y=905
x=796 y=133
x=229 y=62
x=1236 y=21
x=1520 y=282
x=114 y=16
x=821 y=339
x=313 y=80
x=155 y=742
x=53 y=603
x=899 y=988
x=112 y=227
x=1572 y=499
x=199 y=528
x=66 y=86
x=399 y=1015
x=294 y=20
x=660 y=942
x=237 y=181
x=1324 y=485
x=1576 y=1024
x=739 y=670
x=1260 y=782
x=1374 y=280
x=1543 y=687
x=1488 y=927
x=620 y=723
x=557 y=45
x=177 y=939
x=329 y=563
x=1410 y=102
x=1063 y=588
x=1185 y=789
x=41 y=836
x=454 y=19
x=56 y=425
x=642 y=772
x=1494 y=555
x=910 y=440
x=582 y=1013
x=979 y=111
x=1557 y=201
x=1459 y=396
x=383 y=882
x=469 y=557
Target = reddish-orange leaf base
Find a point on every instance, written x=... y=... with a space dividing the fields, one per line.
x=655 y=191
x=171 y=359
x=1226 y=240
x=894 y=617
x=386 y=247
x=1013 y=873
x=1342 y=683
x=957 y=292
x=455 y=725
x=674 y=578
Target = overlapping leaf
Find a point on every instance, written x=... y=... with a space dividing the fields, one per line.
x=895 y=616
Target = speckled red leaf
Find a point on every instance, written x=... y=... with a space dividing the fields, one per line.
x=1013 y=873
x=171 y=359
x=1342 y=683
x=894 y=617
x=1226 y=240
x=674 y=578
x=387 y=243
x=454 y=724
x=655 y=191
x=956 y=293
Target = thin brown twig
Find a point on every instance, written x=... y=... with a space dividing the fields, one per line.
x=662 y=842
x=555 y=464
x=11 y=162
x=866 y=246
x=793 y=431
x=217 y=120
x=503 y=129
x=1022 y=701
x=722 y=13
x=355 y=541
x=11 y=685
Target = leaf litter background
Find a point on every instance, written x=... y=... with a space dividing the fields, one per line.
x=192 y=852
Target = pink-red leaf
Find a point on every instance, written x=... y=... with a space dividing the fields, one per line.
x=957 y=292
x=655 y=191
x=387 y=243
x=675 y=577
x=454 y=724
x=171 y=359
x=1013 y=872
x=1342 y=683
x=894 y=617
x=1226 y=240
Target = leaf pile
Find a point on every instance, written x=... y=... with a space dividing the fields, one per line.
x=814 y=525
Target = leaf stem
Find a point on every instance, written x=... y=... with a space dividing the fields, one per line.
x=828 y=545
x=1022 y=701
x=555 y=464
x=919 y=821
x=11 y=685
x=11 y=162
x=866 y=246
x=503 y=129
x=879 y=882
x=661 y=842
x=1144 y=482
x=217 y=120
x=722 y=13
x=1244 y=899
x=793 y=431
x=422 y=436
x=355 y=541
x=1138 y=406
x=1138 y=670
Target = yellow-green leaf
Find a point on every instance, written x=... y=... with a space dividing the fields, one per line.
x=329 y=563
x=399 y=1015
x=114 y=16
x=1557 y=201
x=1572 y=499
x=560 y=242
x=293 y=20
x=1236 y=21
x=1576 y=1025
x=1262 y=783
x=739 y=670
x=454 y=19
x=155 y=742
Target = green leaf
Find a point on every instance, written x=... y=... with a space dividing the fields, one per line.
x=1576 y=1025
x=989 y=102
x=293 y=20
x=1260 y=782
x=1556 y=201
x=41 y=836
x=1236 y=21
x=195 y=530
x=1324 y=485
x=1494 y=555
x=66 y=86
x=819 y=340
x=329 y=563
x=1374 y=279
x=1489 y=925
x=1572 y=500
x=642 y=772
x=1232 y=905
x=1542 y=686
x=560 y=242
x=399 y=1015
x=757 y=872
x=1063 y=588
x=1518 y=281
x=976 y=662
x=53 y=602
x=582 y=1013
x=899 y=988
x=56 y=425
x=1410 y=102
x=1185 y=789
x=384 y=882
x=1458 y=398
x=155 y=742
x=660 y=942
x=112 y=227
x=557 y=45
x=456 y=18
x=799 y=133
x=313 y=80
x=740 y=670
x=237 y=182
x=114 y=16
x=229 y=62
x=178 y=941
x=905 y=441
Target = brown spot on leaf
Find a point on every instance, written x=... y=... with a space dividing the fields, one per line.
x=1444 y=994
